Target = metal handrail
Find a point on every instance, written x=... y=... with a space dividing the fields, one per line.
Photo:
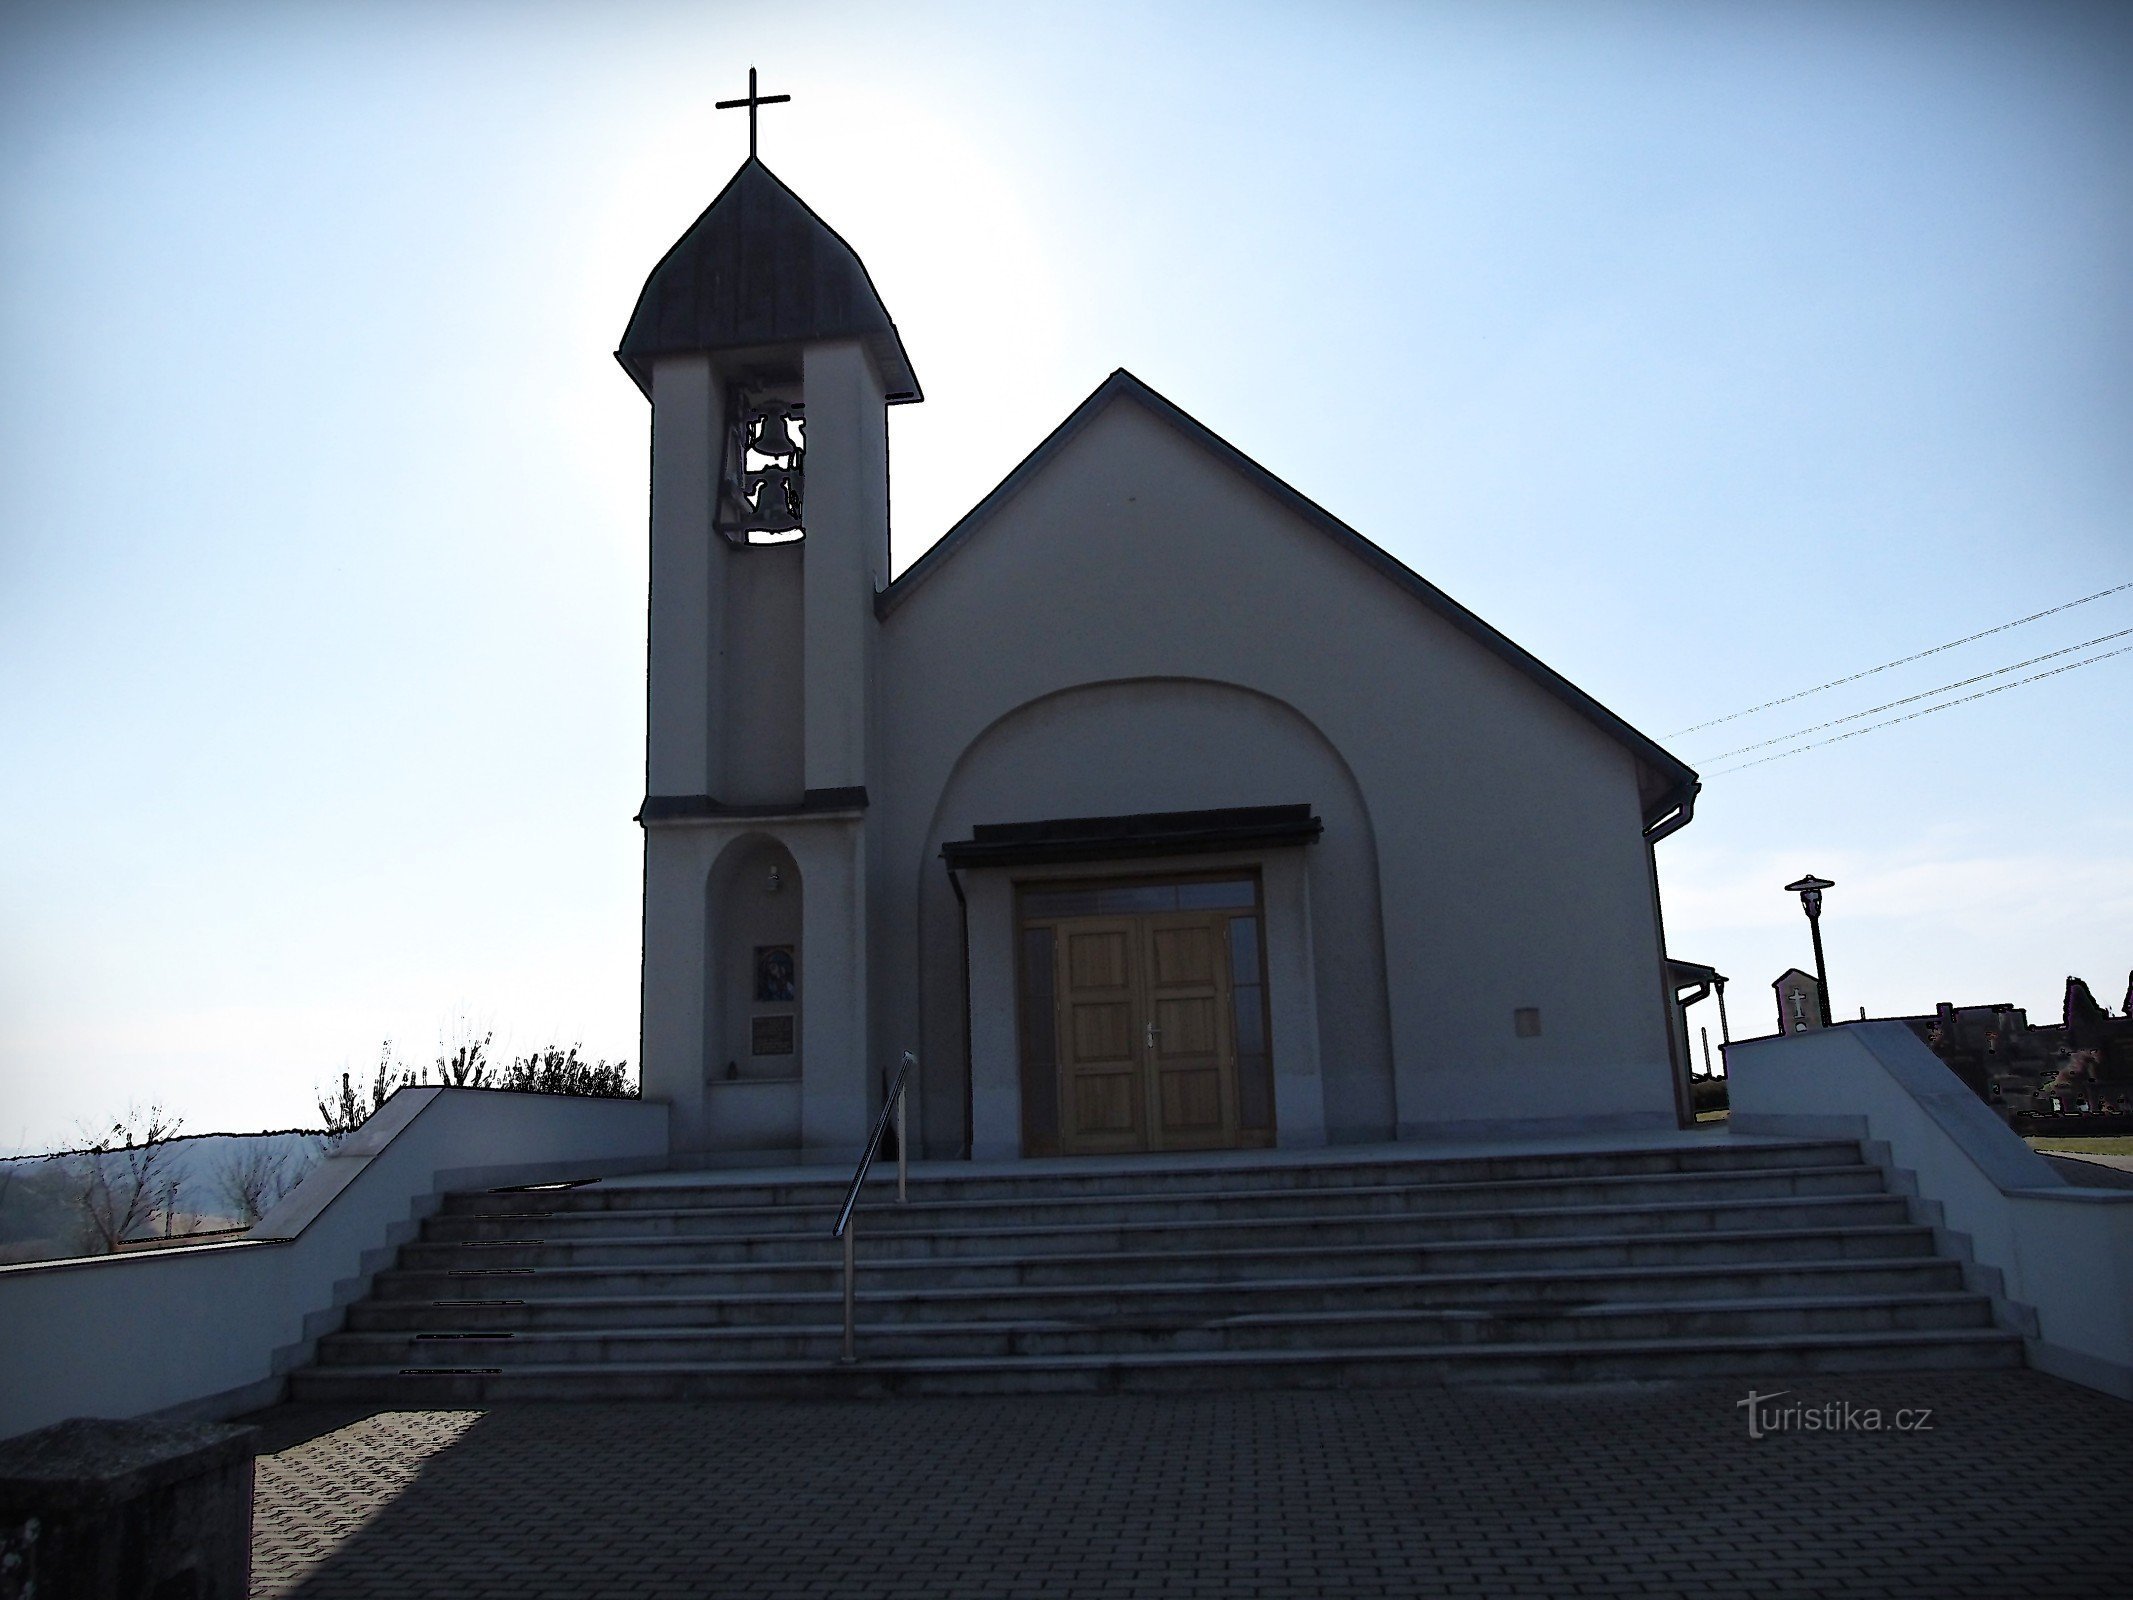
x=892 y=1105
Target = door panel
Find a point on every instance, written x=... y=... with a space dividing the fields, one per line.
x=1100 y=957
x=1106 y=1105
x=1192 y=1107
x=1100 y=1031
x=1182 y=950
x=1185 y=1027
x=1101 y=1097
x=1144 y=1024
x=1194 y=1070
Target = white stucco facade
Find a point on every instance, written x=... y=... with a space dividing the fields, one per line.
x=1139 y=624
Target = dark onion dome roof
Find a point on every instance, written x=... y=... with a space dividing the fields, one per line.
x=759 y=268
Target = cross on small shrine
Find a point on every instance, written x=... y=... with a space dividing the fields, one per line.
x=751 y=103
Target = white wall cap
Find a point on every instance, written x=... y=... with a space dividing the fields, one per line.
x=1995 y=1149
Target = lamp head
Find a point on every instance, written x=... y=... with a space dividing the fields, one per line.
x=1809 y=889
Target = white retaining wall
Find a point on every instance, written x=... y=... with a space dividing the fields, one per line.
x=2064 y=1254
x=212 y=1329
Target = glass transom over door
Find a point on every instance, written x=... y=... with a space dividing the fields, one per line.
x=1143 y=1016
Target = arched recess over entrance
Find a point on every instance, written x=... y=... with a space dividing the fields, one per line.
x=755 y=964
x=1154 y=745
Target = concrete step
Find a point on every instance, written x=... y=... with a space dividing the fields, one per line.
x=1181 y=1273
x=1205 y=1300
x=1173 y=1176
x=1719 y=1248
x=1278 y=1330
x=459 y=1221
x=1155 y=1372
x=889 y=1236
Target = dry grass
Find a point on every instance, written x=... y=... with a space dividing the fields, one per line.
x=2120 y=1146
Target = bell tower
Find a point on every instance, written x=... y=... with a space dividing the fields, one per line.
x=769 y=361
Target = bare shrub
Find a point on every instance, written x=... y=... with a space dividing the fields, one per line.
x=555 y=1070
x=251 y=1178
x=343 y=1114
x=468 y=1066
x=121 y=1177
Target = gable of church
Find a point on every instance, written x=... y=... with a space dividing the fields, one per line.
x=1140 y=543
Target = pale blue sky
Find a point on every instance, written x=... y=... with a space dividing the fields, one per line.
x=1709 y=351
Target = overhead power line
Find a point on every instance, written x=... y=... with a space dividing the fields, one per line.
x=1903 y=661
x=1913 y=699
x=1913 y=716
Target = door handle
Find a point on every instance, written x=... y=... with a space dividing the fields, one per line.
x=1154 y=1033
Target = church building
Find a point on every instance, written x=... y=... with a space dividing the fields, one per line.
x=1152 y=809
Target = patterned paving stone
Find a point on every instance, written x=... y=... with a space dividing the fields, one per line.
x=2014 y=1486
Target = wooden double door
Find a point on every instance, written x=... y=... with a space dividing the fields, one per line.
x=1147 y=1009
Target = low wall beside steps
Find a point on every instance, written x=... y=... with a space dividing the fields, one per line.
x=213 y=1329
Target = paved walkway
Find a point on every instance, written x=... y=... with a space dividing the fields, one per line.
x=2016 y=1486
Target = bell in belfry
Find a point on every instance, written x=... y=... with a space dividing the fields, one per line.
x=760 y=504
x=773 y=438
x=776 y=497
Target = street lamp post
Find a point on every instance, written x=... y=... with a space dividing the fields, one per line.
x=1809 y=889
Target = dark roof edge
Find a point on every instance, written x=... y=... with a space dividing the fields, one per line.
x=644 y=380
x=1144 y=834
x=659 y=808
x=1694 y=971
x=1678 y=775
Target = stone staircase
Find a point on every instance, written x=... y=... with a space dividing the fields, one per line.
x=1693 y=1258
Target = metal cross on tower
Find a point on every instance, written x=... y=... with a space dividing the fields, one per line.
x=751 y=103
